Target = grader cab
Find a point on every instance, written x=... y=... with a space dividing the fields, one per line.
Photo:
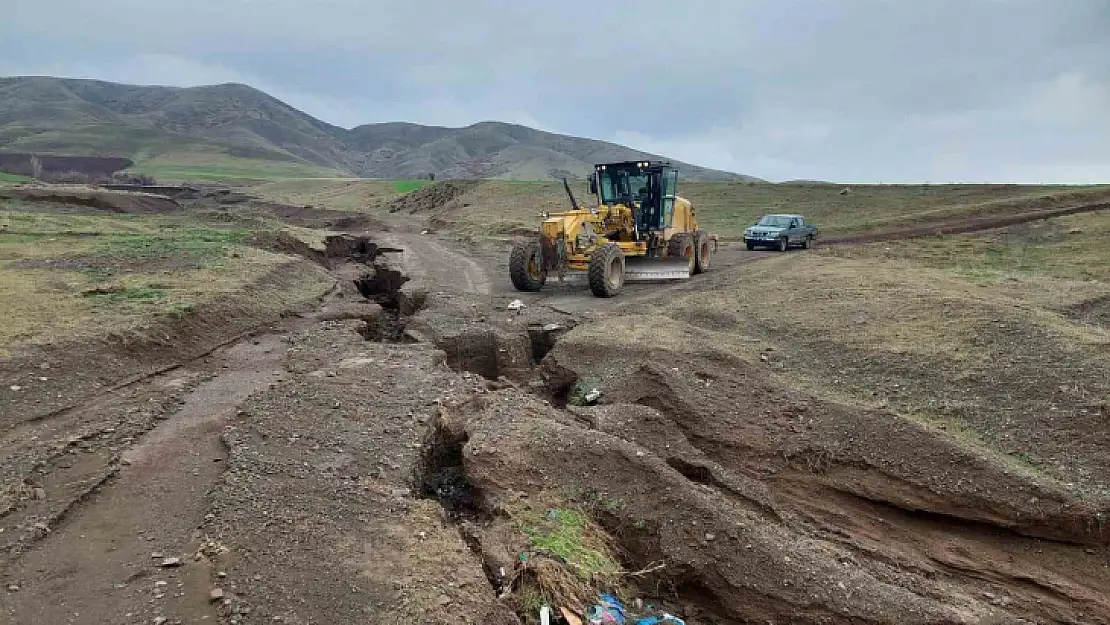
x=640 y=230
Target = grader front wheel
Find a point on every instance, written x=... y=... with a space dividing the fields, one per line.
x=682 y=246
x=606 y=271
x=525 y=268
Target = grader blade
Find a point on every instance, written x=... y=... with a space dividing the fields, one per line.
x=652 y=269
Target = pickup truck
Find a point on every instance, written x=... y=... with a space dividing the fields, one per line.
x=780 y=231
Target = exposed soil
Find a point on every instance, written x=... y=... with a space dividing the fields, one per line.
x=433 y=198
x=360 y=459
x=91 y=197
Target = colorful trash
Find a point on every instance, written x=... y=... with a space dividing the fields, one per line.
x=608 y=610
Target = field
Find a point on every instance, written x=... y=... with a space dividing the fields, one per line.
x=896 y=426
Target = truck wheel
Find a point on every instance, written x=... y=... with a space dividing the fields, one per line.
x=606 y=272
x=751 y=247
x=784 y=244
x=808 y=243
x=525 y=268
x=702 y=253
x=682 y=246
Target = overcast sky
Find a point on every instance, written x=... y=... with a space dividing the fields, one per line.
x=852 y=90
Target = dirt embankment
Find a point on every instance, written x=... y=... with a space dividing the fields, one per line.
x=91 y=197
x=433 y=198
x=764 y=504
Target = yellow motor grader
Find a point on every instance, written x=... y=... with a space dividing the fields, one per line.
x=639 y=231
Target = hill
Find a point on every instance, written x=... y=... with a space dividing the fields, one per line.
x=236 y=131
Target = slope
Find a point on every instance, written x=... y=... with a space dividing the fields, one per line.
x=234 y=130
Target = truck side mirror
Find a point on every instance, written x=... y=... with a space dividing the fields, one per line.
x=593 y=184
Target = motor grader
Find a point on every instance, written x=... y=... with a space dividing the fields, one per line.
x=640 y=230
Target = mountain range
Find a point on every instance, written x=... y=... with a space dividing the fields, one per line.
x=236 y=128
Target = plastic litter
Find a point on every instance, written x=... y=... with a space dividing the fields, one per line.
x=665 y=619
x=608 y=610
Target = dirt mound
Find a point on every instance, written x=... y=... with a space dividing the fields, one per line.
x=101 y=199
x=433 y=198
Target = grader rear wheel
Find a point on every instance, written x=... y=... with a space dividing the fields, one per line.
x=525 y=268
x=704 y=252
x=606 y=271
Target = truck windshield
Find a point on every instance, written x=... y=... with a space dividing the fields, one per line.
x=775 y=221
x=616 y=185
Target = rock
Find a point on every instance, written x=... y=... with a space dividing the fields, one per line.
x=171 y=562
x=515 y=305
x=710 y=536
x=161 y=620
x=39 y=493
x=13 y=587
x=216 y=594
x=160 y=583
x=16 y=387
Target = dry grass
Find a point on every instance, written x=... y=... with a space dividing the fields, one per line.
x=66 y=276
x=497 y=208
x=346 y=194
x=969 y=335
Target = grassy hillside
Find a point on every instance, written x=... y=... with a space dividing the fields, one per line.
x=237 y=132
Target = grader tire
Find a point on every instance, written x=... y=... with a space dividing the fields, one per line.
x=682 y=246
x=606 y=271
x=703 y=252
x=525 y=269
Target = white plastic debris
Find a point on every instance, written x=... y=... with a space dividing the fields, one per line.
x=515 y=305
x=545 y=615
x=423 y=232
x=593 y=396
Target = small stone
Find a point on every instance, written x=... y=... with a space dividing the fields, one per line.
x=160 y=583
x=39 y=493
x=221 y=575
x=444 y=600
x=157 y=555
x=171 y=562
x=13 y=587
x=216 y=594
x=161 y=620
x=710 y=536
x=16 y=387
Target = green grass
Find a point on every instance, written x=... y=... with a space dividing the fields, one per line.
x=203 y=244
x=6 y=177
x=564 y=533
x=408 y=186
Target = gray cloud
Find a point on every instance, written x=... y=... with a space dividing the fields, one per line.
x=862 y=90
